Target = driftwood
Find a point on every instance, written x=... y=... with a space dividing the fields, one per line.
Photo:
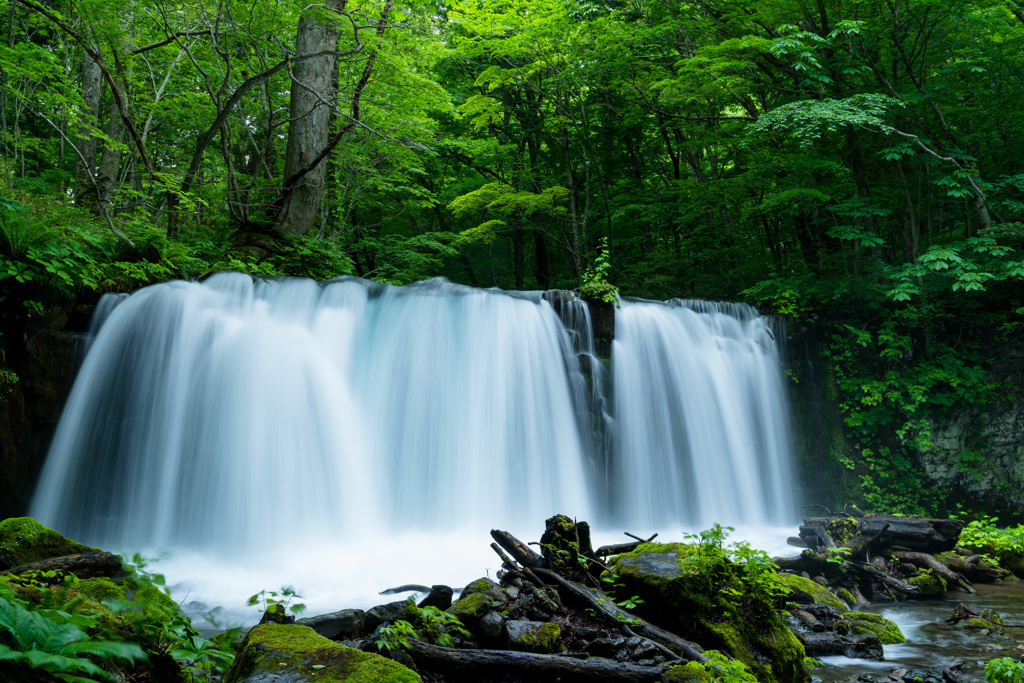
x=963 y=612
x=539 y=593
x=926 y=561
x=477 y=664
x=915 y=533
x=522 y=553
x=84 y=565
x=619 y=548
x=626 y=622
x=975 y=569
x=886 y=579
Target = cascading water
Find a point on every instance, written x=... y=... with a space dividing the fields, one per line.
x=702 y=416
x=237 y=415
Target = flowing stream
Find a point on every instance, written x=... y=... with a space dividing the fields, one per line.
x=284 y=429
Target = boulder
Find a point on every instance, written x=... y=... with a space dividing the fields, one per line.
x=470 y=609
x=819 y=594
x=697 y=592
x=439 y=597
x=388 y=614
x=23 y=540
x=486 y=587
x=344 y=625
x=862 y=623
x=298 y=654
x=533 y=636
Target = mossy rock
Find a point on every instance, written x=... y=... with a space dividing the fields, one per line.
x=691 y=672
x=842 y=529
x=471 y=609
x=486 y=587
x=865 y=622
x=845 y=595
x=930 y=584
x=23 y=540
x=533 y=636
x=821 y=595
x=298 y=654
x=699 y=594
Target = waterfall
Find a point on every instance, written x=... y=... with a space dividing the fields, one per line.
x=237 y=413
x=702 y=416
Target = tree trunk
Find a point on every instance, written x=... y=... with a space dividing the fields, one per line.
x=313 y=78
x=92 y=80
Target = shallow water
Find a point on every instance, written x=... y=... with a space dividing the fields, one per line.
x=935 y=644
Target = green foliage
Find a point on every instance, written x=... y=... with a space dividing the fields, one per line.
x=277 y=602
x=595 y=284
x=1004 y=670
x=54 y=640
x=395 y=636
x=720 y=667
x=1004 y=545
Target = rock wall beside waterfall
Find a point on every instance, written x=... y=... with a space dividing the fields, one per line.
x=979 y=454
x=41 y=352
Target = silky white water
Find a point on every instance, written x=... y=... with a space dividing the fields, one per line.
x=347 y=436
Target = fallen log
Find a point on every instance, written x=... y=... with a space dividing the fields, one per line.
x=83 y=565
x=915 y=533
x=976 y=570
x=485 y=664
x=523 y=554
x=926 y=561
x=668 y=642
x=619 y=548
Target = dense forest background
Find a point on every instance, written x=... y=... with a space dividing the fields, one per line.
x=854 y=165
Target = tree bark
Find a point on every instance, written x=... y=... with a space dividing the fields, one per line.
x=312 y=95
x=478 y=664
x=92 y=80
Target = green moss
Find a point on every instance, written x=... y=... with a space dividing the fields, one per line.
x=471 y=608
x=691 y=672
x=23 y=540
x=865 y=622
x=542 y=639
x=486 y=587
x=279 y=648
x=931 y=585
x=820 y=594
x=698 y=591
x=845 y=595
x=842 y=529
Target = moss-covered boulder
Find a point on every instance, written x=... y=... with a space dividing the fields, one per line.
x=862 y=623
x=471 y=608
x=697 y=592
x=23 y=540
x=930 y=584
x=486 y=587
x=533 y=636
x=691 y=672
x=820 y=594
x=297 y=654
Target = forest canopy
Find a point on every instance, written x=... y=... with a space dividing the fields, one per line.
x=853 y=164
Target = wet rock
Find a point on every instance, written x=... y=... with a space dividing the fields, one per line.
x=388 y=614
x=439 y=597
x=492 y=628
x=486 y=587
x=288 y=654
x=605 y=647
x=470 y=609
x=533 y=636
x=343 y=625
x=586 y=633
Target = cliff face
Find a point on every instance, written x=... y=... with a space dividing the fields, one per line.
x=979 y=454
x=42 y=353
